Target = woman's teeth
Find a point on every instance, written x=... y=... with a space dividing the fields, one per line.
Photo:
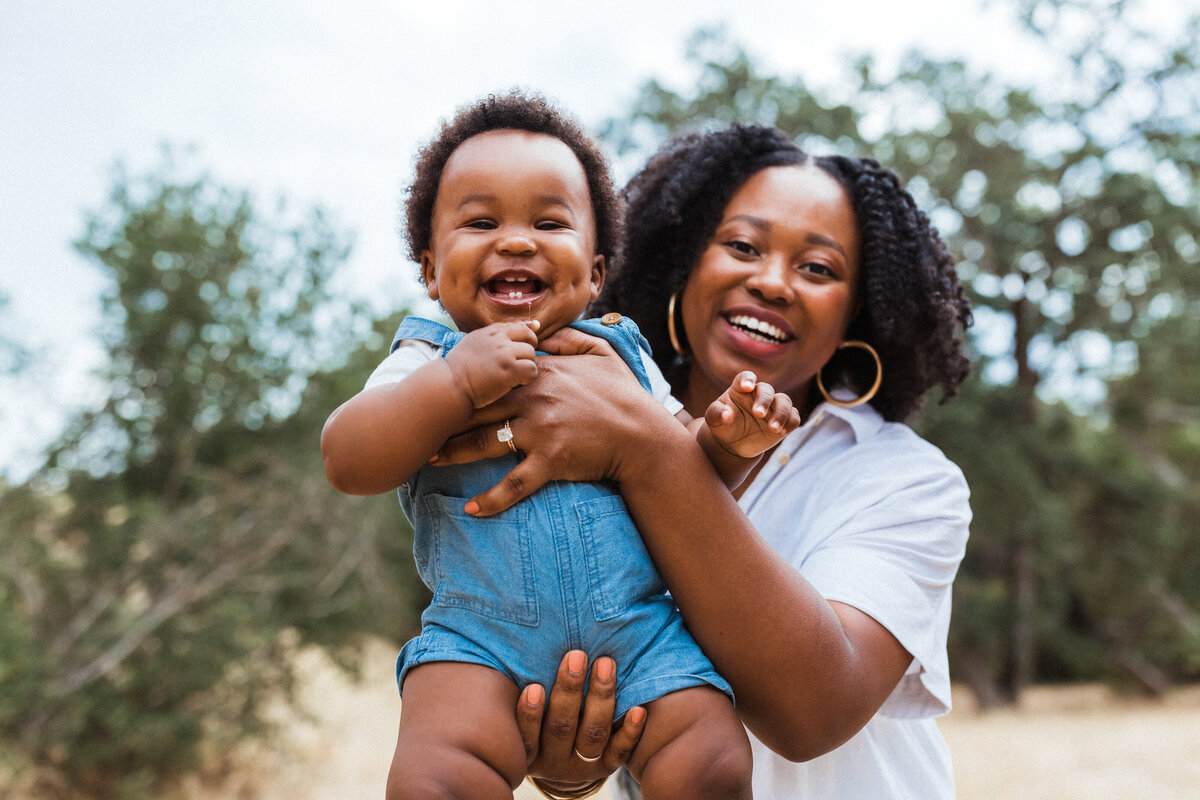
x=764 y=331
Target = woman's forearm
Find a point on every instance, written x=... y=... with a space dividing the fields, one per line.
x=803 y=685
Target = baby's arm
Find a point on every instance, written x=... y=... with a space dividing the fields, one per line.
x=743 y=423
x=379 y=438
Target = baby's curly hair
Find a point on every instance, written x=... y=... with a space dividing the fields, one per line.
x=522 y=111
x=913 y=309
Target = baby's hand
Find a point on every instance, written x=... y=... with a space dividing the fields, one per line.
x=490 y=361
x=751 y=417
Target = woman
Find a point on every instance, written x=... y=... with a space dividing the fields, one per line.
x=821 y=588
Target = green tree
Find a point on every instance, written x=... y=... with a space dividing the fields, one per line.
x=1074 y=207
x=181 y=543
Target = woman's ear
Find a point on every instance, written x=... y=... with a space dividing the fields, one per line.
x=597 y=276
x=429 y=274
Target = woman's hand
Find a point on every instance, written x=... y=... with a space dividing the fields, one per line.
x=562 y=736
x=578 y=421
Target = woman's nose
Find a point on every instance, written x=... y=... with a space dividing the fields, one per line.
x=771 y=281
x=516 y=241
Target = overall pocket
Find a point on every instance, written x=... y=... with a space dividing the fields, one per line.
x=482 y=564
x=620 y=573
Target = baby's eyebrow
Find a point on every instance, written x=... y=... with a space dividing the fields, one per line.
x=479 y=197
x=554 y=200
x=543 y=199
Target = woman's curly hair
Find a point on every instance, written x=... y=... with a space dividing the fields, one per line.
x=515 y=110
x=913 y=310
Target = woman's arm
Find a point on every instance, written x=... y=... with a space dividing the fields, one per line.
x=807 y=673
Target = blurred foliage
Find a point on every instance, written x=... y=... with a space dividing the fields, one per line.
x=1075 y=209
x=181 y=543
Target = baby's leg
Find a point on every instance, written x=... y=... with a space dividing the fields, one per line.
x=458 y=735
x=694 y=746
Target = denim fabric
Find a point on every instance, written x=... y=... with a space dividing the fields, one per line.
x=566 y=568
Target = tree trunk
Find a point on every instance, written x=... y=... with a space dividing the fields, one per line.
x=1024 y=571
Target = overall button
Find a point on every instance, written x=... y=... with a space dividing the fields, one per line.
x=611 y=318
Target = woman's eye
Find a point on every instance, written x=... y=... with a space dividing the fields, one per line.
x=745 y=248
x=818 y=268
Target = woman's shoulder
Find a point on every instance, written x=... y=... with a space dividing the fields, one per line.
x=875 y=437
x=877 y=456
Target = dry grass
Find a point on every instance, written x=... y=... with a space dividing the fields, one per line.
x=1062 y=743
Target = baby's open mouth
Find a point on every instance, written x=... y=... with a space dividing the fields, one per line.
x=515 y=288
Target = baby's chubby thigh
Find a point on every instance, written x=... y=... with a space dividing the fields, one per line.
x=458 y=734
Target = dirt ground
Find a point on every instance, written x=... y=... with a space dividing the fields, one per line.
x=1061 y=744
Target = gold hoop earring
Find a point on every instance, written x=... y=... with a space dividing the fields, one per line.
x=870 y=393
x=671 y=331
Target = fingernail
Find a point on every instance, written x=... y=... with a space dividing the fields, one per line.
x=433 y=458
x=534 y=695
x=637 y=714
x=604 y=669
x=471 y=507
x=576 y=662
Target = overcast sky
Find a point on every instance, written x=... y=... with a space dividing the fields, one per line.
x=325 y=102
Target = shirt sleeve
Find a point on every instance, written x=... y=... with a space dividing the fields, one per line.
x=659 y=386
x=401 y=362
x=895 y=558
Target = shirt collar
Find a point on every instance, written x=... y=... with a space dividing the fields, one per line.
x=863 y=420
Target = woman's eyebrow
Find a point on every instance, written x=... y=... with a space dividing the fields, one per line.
x=765 y=226
x=816 y=238
x=750 y=219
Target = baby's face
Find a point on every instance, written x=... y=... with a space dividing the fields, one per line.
x=514 y=236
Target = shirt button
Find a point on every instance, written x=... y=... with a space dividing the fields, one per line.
x=611 y=319
x=782 y=459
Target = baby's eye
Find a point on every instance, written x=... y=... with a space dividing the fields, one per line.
x=481 y=224
x=551 y=225
x=745 y=248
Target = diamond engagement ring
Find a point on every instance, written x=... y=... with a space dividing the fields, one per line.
x=505 y=435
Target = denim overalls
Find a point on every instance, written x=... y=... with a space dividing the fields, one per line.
x=563 y=569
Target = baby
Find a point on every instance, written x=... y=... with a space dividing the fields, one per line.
x=514 y=220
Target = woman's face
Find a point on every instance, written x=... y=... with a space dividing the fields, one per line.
x=776 y=286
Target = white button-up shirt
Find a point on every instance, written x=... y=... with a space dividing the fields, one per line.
x=875 y=517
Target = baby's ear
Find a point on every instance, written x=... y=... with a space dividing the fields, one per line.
x=597 y=276
x=429 y=274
